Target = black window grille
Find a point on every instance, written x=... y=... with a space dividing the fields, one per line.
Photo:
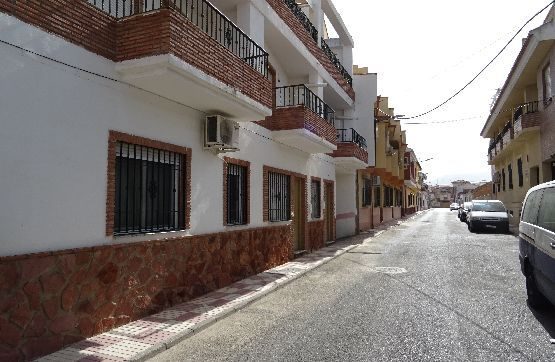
x=150 y=190
x=377 y=196
x=367 y=192
x=279 y=196
x=237 y=194
x=315 y=199
x=503 y=178
x=510 y=172
x=520 y=174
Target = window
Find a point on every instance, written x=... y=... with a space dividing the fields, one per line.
x=279 y=191
x=503 y=178
x=532 y=204
x=520 y=175
x=237 y=194
x=510 y=172
x=377 y=196
x=546 y=80
x=546 y=215
x=388 y=196
x=149 y=190
x=367 y=192
x=315 y=199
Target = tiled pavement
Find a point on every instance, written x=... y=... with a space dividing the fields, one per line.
x=146 y=337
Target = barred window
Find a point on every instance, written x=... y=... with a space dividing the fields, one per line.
x=367 y=192
x=503 y=178
x=510 y=172
x=377 y=196
x=315 y=199
x=279 y=191
x=150 y=190
x=520 y=175
x=236 y=194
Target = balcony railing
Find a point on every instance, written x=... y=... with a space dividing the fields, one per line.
x=300 y=95
x=205 y=16
x=350 y=135
x=530 y=107
x=331 y=55
x=301 y=16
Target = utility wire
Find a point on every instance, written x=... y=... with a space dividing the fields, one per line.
x=102 y=76
x=484 y=68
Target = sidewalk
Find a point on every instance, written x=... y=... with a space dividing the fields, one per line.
x=144 y=338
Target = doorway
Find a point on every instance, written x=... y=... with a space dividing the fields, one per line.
x=298 y=214
x=328 y=212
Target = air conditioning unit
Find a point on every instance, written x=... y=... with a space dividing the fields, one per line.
x=221 y=134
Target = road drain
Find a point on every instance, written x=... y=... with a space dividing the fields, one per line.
x=389 y=270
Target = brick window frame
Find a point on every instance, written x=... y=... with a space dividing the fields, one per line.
x=113 y=138
x=247 y=165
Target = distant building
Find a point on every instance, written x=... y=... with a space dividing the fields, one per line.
x=483 y=192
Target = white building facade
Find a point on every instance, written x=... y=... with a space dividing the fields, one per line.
x=152 y=154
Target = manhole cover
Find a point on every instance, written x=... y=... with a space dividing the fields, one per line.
x=390 y=270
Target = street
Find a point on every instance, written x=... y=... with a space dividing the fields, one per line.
x=425 y=290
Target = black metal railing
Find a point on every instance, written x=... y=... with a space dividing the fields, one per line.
x=331 y=55
x=205 y=16
x=350 y=135
x=297 y=95
x=525 y=108
x=301 y=16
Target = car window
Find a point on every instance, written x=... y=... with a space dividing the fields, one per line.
x=489 y=207
x=530 y=213
x=546 y=215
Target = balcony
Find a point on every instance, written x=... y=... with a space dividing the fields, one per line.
x=525 y=123
x=292 y=14
x=351 y=153
x=189 y=52
x=302 y=120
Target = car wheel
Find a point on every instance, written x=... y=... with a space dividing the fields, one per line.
x=536 y=299
x=471 y=228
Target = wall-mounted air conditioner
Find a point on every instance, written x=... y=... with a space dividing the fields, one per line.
x=221 y=134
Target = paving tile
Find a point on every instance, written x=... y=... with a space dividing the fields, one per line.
x=125 y=349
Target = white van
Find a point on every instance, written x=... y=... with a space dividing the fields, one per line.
x=537 y=244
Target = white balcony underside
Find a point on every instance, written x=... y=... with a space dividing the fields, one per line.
x=348 y=165
x=304 y=140
x=171 y=77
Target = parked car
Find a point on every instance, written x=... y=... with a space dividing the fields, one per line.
x=488 y=214
x=463 y=210
x=454 y=206
x=537 y=244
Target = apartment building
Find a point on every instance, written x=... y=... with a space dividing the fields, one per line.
x=520 y=126
x=412 y=190
x=160 y=150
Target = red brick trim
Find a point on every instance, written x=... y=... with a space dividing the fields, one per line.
x=116 y=136
x=350 y=149
x=247 y=165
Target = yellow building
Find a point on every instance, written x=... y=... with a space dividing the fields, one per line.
x=381 y=186
x=520 y=125
x=413 y=183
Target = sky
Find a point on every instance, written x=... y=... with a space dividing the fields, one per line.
x=424 y=52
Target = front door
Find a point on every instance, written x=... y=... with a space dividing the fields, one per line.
x=328 y=212
x=298 y=222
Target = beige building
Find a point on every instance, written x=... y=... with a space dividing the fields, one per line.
x=520 y=126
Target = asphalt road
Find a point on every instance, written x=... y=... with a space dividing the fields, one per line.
x=428 y=290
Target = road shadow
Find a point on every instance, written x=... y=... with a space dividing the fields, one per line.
x=546 y=317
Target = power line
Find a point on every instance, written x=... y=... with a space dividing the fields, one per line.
x=102 y=76
x=485 y=67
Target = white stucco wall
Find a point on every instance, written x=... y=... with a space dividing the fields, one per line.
x=366 y=89
x=346 y=204
x=53 y=147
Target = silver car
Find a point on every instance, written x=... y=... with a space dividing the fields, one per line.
x=537 y=244
x=488 y=215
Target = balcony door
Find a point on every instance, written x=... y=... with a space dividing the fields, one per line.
x=328 y=212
